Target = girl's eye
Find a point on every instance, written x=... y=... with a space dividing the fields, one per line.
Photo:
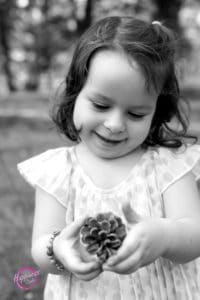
x=135 y=116
x=100 y=106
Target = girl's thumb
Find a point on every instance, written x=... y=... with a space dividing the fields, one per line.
x=131 y=216
x=73 y=229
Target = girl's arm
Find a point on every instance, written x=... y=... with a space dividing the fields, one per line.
x=50 y=216
x=182 y=223
x=40 y=257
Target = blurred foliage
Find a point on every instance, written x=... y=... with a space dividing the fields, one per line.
x=37 y=35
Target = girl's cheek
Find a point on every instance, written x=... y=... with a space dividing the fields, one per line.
x=77 y=123
x=77 y=118
x=83 y=120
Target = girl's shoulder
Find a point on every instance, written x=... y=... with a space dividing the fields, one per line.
x=49 y=170
x=171 y=164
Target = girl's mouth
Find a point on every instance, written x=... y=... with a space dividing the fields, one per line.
x=109 y=141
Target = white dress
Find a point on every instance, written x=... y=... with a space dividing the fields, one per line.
x=59 y=173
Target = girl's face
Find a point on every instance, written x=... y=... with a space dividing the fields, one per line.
x=114 y=110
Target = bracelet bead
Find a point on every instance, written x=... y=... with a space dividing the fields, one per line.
x=50 y=252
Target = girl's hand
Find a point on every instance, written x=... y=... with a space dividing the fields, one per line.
x=66 y=249
x=144 y=243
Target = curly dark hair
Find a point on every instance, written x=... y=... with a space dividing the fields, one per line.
x=153 y=46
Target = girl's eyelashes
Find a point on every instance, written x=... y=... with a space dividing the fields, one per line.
x=135 y=116
x=100 y=106
x=103 y=107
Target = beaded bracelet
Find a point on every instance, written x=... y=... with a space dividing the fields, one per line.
x=50 y=253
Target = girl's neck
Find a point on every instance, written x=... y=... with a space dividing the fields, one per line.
x=106 y=173
x=83 y=152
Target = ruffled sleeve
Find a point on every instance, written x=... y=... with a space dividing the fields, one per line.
x=171 y=164
x=50 y=171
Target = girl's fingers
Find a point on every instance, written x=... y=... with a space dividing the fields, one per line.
x=124 y=252
x=87 y=268
x=73 y=229
x=130 y=214
x=127 y=266
x=89 y=276
x=81 y=268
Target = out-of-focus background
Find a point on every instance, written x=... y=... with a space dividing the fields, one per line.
x=37 y=38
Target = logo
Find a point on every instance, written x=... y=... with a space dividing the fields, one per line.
x=26 y=278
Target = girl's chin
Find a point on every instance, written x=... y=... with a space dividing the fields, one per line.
x=108 y=154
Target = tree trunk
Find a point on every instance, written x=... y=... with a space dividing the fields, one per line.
x=84 y=23
x=4 y=44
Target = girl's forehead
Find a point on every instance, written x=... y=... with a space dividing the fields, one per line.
x=112 y=74
x=114 y=64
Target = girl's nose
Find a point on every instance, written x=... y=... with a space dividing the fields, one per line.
x=115 y=122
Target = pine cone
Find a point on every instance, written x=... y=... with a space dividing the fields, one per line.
x=102 y=235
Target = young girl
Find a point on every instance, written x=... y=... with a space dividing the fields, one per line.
x=121 y=94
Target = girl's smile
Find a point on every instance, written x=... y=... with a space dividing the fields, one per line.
x=114 y=110
x=108 y=140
